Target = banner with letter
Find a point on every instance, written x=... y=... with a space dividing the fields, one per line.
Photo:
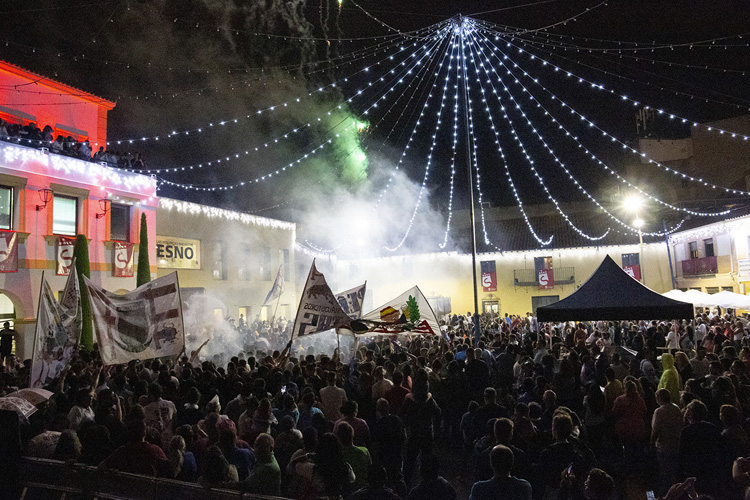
x=351 y=300
x=278 y=286
x=64 y=255
x=143 y=324
x=318 y=310
x=489 y=276
x=177 y=253
x=408 y=313
x=546 y=278
x=8 y=252
x=58 y=329
x=633 y=271
x=122 y=260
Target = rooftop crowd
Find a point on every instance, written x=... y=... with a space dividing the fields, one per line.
x=32 y=136
x=575 y=411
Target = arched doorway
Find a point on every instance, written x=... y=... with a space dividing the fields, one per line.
x=8 y=313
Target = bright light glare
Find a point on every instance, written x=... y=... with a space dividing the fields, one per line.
x=638 y=223
x=633 y=203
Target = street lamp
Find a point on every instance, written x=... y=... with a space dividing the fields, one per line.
x=638 y=223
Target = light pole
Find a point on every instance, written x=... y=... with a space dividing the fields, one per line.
x=633 y=204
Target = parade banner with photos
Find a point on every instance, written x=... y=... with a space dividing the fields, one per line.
x=8 y=252
x=64 y=254
x=58 y=329
x=318 y=310
x=408 y=313
x=143 y=324
x=122 y=260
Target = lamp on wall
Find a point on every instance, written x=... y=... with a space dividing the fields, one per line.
x=45 y=194
x=104 y=205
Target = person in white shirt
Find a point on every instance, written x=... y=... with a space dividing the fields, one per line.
x=81 y=411
x=331 y=398
x=700 y=330
x=382 y=385
x=160 y=413
x=673 y=338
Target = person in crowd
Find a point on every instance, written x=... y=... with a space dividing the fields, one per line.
x=182 y=462
x=629 y=412
x=137 y=456
x=420 y=414
x=349 y=411
x=218 y=472
x=82 y=410
x=376 y=488
x=68 y=447
x=332 y=398
x=358 y=457
x=666 y=427
x=502 y=484
x=432 y=486
x=265 y=477
x=699 y=446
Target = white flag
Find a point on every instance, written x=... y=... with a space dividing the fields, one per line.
x=58 y=330
x=318 y=310
x=278 y=286
x=351 y=300
x=143 y=324
x=408 y=313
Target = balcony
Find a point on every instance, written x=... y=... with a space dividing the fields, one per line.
x=703 y=266
x=528 y=277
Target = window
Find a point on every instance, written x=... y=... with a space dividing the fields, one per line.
x=220 y=264
x=6 y=207
x=712 y=289
x=246 y=257
x=119 y=222
x=693 y=247
x=244 y=316
x=727 y=289
x=265 y=266
x=708 y=244
x=65 y=215
x=630 y=259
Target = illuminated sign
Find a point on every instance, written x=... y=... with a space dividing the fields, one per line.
x=177 y=253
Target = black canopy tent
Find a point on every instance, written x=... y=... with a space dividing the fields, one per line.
x=612 y=294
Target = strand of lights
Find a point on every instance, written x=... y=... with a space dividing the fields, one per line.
x=520 y=31
x=417 y=123
x=387 y=26
x=320 y=90
x=290 y=133
x=231 y=215
x=589 y=153
x=623 y=97
x=470 y=132
x=429 y=155
x=643 y=82
x=648 y=46
x=291 y=164
x=518 y=140
x=615 y=139
x=560 y=163
x=453 y=171
x=311 y=253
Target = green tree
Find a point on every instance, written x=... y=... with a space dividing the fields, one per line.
x=143 y=274
x=83 y=268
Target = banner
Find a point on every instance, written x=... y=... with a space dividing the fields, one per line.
x=278 y=286
x=177 y=253
x=408 y=313
x=143 y=324
x=351 y=301
x=8 y=252
x=64 y=255
x=633 y=271
x=489 y=276
x=58 y=329
x=546 y=278
x=122 y=260
x=318 y=310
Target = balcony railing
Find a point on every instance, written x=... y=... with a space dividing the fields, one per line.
x=700 y=267
x=528 y=277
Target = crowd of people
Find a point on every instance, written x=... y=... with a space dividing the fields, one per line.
x=32 y=136
x=571 y=411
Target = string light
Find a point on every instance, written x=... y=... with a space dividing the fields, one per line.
x=429 y=156
x=230 y=215
x=520 y=143
x=614 y=139
x=453 y=171
x=592 y=155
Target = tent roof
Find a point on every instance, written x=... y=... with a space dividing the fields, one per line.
x=611 y=294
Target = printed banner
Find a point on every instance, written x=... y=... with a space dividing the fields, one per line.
x=8 y=252
x=64 y=255
x=546 y=278
x=351 y=300
x=278 y=286
x=408 y=313
x=122 y=260
x=58 y=329
x=633 y=271
x=143 y=324
x=489 y=276
x=318 y=310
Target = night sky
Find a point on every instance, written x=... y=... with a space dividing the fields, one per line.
x=180 y=65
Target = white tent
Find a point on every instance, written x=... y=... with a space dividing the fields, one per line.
x=676 y=295
x=698 y=299
x=732 y=300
